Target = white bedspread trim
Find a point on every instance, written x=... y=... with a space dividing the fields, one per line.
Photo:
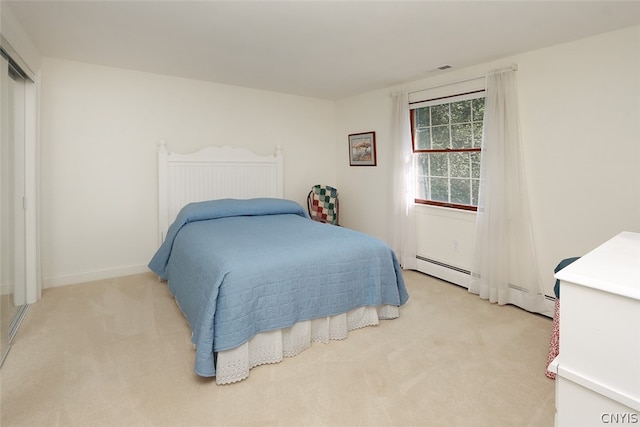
x=273 y=346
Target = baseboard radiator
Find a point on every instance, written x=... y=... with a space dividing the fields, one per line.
x=460 y=276
x=442 y=264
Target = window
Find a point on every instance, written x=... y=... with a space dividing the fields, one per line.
x=447 y=140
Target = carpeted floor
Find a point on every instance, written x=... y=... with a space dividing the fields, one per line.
x=117 y=353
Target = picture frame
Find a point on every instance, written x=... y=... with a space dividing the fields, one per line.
x=362 y=149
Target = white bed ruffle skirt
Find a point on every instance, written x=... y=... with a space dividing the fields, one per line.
x=273 y=346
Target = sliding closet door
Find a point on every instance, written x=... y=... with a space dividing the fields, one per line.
x=12 y=191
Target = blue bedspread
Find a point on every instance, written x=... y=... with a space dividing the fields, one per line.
x=240 y=267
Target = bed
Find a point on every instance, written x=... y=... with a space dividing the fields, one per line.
x=254 y=276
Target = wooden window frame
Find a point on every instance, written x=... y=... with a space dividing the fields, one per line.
x=412 y=116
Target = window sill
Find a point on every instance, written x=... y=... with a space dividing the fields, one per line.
x=444 y=210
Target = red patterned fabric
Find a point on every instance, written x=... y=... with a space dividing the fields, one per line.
x=554 y=345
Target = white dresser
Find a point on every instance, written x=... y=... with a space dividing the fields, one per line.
x=598 y=366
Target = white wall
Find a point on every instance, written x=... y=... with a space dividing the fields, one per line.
x=579 y=110
x=580 y=104
x=100 y=127
x=364 y=190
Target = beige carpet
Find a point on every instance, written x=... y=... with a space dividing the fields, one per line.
x=117 y=353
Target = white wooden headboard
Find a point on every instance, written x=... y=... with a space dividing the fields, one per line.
x=214 y=173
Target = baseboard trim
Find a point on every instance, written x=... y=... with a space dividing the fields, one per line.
x=92 y=276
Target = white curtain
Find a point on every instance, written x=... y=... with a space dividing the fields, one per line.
x=505 y=269
x=403 y=222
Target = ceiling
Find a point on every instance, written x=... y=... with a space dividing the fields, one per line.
x=322 y=49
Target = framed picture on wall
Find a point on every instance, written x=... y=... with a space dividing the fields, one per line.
x=362 y=149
